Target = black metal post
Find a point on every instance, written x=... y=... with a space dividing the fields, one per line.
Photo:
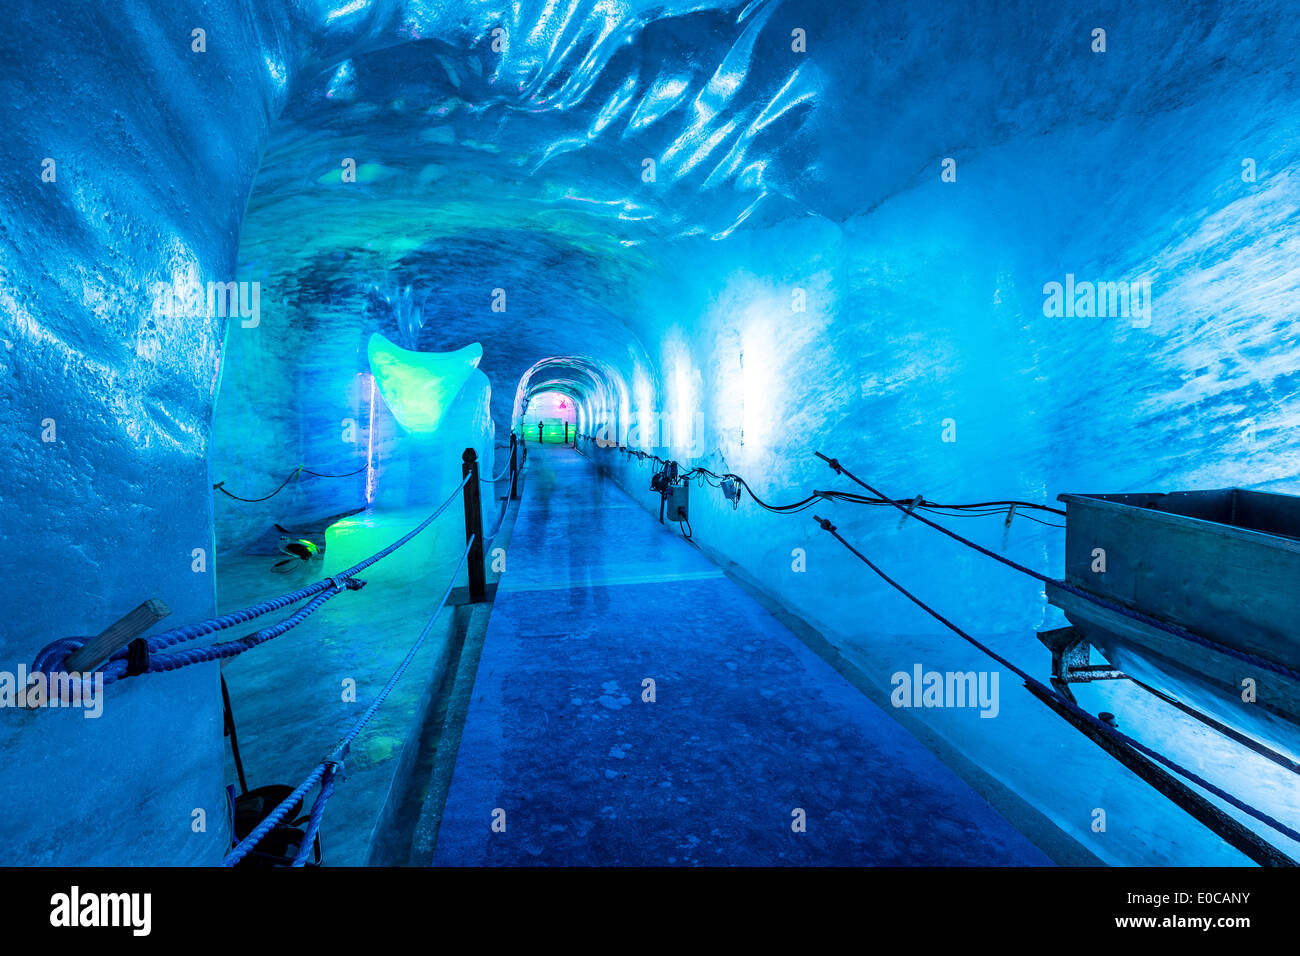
x=474 y=528
x=566 y=433
x=514 y=468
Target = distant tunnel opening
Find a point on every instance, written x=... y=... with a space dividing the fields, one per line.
x=550 y=417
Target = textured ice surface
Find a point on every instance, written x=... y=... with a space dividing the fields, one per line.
x=780 y=177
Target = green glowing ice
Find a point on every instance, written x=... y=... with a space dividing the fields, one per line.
x=419 y=387
x=354 y=538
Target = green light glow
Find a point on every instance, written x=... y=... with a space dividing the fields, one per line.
x=552 y=431
x=356 y=537
x=419 y=387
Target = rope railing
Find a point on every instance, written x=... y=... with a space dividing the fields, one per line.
x=143 y=656
x=330 y=768
x=300 y=470
x=111 y=656
x=501 y=519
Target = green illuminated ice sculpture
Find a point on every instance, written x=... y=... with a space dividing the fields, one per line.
x=442 y=401
x=419 y=387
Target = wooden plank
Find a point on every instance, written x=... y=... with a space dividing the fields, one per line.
x=117 y=635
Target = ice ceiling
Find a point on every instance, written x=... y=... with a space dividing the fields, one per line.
x=535 y=150
x=780 y=176
x=798 y=272
x=505 y=150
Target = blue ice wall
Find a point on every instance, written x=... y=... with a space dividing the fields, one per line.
x=868 y=336
x=145 y=187
x=284 y=402
x=626 y=201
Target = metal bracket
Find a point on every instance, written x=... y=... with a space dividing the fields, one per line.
x=1070 y=661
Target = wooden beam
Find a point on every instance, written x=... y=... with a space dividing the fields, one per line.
x=117 y=635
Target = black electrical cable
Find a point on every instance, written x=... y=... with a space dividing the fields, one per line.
x=219 y=486
x=234 y=738
x=990 y=507
x=1045 y=693
x=793 y=508
x=973 y=509
x=1059 y=527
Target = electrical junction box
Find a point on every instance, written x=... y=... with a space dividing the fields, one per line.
x=676 y=500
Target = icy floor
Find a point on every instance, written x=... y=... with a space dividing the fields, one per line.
x=288 y=695
x=747 y=723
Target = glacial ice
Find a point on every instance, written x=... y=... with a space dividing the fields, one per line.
x=789 y=273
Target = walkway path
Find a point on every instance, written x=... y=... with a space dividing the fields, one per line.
x=747 y=726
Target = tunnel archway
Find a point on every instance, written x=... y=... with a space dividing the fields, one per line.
x=601 y=394
x=550 y=416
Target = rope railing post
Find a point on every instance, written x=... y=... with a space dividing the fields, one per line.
x=330 y=769
x=143 y=655
x=514 y=467
x=474 y=528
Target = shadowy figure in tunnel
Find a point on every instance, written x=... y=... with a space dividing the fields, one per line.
x=542 y=482
x=569 y=499
x=587 y=551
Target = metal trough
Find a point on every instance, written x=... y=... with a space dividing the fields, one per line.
x=1224 y=565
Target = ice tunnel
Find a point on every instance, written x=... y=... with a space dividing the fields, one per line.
x=928 y=386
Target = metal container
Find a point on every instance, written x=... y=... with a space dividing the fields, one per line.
x=1221 y=564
